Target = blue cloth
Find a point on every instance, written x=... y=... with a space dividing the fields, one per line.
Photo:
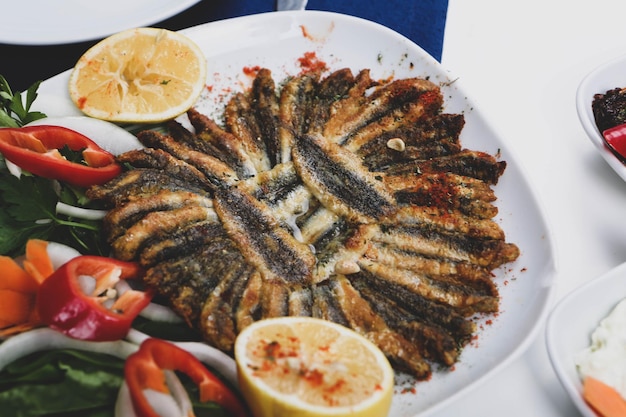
x=422 y=21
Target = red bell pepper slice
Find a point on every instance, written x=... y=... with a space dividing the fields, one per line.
x=144 y=370
x=36 y=150
x=63 y=305
x=615 y=138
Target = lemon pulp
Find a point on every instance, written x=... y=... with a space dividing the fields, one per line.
x=301 y=366
x=139 y=75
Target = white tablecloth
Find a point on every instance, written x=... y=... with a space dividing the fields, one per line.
x=521 y=62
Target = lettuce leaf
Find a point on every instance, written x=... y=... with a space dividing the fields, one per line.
x=73 y=383
x=61 y=382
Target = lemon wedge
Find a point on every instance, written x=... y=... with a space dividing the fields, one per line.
x=140 y=75
x=306 y=367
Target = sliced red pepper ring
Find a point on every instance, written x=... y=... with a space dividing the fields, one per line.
x=615 y=138
x=145 y=368
x=63 y=304
x=36 y=150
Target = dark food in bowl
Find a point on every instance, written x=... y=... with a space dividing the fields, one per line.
x=609 y=109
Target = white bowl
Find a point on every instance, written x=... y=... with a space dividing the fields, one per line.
x=571 y=323
x=605 y=77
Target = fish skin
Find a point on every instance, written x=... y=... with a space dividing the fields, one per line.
x=262 y=240
x=137 y=183
x=120 y=218
x=338 y=180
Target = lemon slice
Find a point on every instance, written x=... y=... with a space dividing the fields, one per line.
x=140 y=75
x=305 y=367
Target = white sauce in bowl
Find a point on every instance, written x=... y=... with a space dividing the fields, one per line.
x=605 y=358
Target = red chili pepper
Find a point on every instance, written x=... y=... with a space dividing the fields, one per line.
x=36 y=149
x=144 y=370
x=63 y=305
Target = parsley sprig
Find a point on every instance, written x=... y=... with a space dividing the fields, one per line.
x=28 y=211
x=13 y=111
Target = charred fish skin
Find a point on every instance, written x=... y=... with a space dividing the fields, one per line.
x=432 y=137
x=439 y=344
x=364 y=110
x=296 y=103
x=213 y=140
x=219 y=312
x=329 y=195
x=216 y=171
x=338 y=180
x=120 y=218
x=359 y=315
x=137 y=183
x=264 y=242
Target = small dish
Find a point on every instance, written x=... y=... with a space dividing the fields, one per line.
x=605 y=77
x=571 y=322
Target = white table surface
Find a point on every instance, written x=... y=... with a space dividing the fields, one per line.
x=521 y=62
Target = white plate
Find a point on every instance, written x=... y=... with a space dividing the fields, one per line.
x=605 y=77
x=277 y=41
x=570 y=324
x=50 y=22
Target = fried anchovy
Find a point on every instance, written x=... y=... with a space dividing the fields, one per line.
x=333 y=88
x=189 y=280
x=358 y=113
x=429 y=137
x=359 y=315
x=422 y=323
x=187 y=237
x=140 y=183
x=120 y=218
x=445 y=191
x=297 y=99
x=253 y=117
x=472 y=164
x=157 y=223
x=442 y=289
x=456 y=247
x=211 y=139
x=471 y=274
x=393 y=124
x=159 y=159
x=337 y=178
x=262 y=240
x=240 y=121
x=218 y=317
x=217 y=172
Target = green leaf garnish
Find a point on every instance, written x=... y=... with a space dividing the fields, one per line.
x=13 y=111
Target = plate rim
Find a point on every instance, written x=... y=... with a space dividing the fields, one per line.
x=562 y=368
x=10 y=36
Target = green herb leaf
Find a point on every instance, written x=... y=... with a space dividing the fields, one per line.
x=72 y=383
x=61 y=382
x=73 y=156
x=13 y=111
x=28 y=211
x=28 y=198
